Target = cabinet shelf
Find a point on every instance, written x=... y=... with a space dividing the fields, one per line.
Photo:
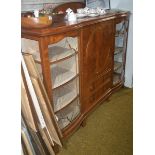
x=118 y=50
x=65 y=106
x=67 y=115
x=77 y=75
x=64 y=71
x=61 y=75
x=58 y=53
x=117 y=65
x=65 y=94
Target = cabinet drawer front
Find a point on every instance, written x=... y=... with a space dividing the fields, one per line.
x=98 y=95
x=99 y=83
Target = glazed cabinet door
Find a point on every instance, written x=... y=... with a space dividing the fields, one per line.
x=62 y=69
x=121 y=35
x=97 y=61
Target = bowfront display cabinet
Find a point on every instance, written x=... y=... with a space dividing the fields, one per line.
x=81 y=64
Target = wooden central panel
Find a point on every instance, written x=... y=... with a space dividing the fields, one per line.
x=97 y=47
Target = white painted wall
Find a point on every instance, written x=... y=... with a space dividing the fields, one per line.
x=127 y=5
x=30 y=5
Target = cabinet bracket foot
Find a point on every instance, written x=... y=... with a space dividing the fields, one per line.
x=83 y=124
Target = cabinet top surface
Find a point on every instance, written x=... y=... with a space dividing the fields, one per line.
x=61 y=25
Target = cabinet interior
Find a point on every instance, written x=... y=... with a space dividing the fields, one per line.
x=64 y=68
x=64 y=71
x=65 y=94
x=68 y=114
x=119 y=53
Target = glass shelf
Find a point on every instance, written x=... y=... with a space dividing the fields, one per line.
x=64 y=71
x=67 y=115
x=63 y=95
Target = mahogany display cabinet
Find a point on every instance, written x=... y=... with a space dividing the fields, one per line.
x=81 y=63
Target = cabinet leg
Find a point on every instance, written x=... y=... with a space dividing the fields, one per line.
x=83 y=124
